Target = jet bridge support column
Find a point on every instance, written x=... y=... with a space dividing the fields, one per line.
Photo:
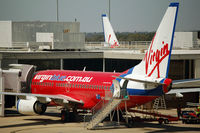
x=61 y=64
x=197 y=70
x=2 y=98
x=104 y=65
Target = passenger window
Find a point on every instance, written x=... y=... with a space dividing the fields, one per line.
x=105 y=87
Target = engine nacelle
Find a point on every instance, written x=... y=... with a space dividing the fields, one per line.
x=30 y=106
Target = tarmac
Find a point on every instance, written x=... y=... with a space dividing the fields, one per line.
x=50 y=123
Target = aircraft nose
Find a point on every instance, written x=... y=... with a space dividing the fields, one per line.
x=168 y=85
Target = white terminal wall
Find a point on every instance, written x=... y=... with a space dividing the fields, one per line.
x=5 y=34
x=184 y=39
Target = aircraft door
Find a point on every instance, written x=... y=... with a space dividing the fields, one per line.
x=124 y=89
x=116 y=93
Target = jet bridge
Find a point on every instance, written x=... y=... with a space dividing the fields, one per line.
x=16 y=79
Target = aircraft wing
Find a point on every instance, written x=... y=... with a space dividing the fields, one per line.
x=184 y=86
x=43 y=97
x=175 y=91
x=188 y=83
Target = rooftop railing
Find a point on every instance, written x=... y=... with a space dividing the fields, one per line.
x=139 y=45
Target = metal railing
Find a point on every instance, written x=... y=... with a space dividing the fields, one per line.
x=103 y=103
x=123 y=44
x=139 y=45
x=133 y=45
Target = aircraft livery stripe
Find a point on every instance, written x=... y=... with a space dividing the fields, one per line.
x=153 y=92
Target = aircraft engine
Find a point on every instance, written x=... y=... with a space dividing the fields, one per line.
x=30 y=106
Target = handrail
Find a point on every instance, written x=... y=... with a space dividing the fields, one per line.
x=104 y=102
x=140 y=45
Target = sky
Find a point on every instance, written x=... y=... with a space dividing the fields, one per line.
x=126 y=15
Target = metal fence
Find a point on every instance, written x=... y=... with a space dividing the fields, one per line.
x=138 y=45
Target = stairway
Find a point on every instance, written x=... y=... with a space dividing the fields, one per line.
x=101 y=114
x=159 y=103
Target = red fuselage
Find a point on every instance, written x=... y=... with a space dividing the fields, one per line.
x=89 y=87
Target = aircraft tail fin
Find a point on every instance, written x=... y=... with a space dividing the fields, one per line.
x=157 y=58
x=109 y=35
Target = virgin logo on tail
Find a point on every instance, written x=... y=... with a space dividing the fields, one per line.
x=115 y=43
x=155 y=58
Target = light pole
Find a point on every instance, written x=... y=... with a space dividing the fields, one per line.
x=109 y=8
x=57 y=11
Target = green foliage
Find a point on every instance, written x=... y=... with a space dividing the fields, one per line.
x=124 y=36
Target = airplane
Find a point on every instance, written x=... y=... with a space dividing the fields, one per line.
x=109 y=35
x=84 y=89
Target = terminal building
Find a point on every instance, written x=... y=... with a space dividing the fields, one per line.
x=53 y=35
x=61 y=45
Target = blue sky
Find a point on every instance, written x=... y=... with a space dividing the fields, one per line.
x=126 y=15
